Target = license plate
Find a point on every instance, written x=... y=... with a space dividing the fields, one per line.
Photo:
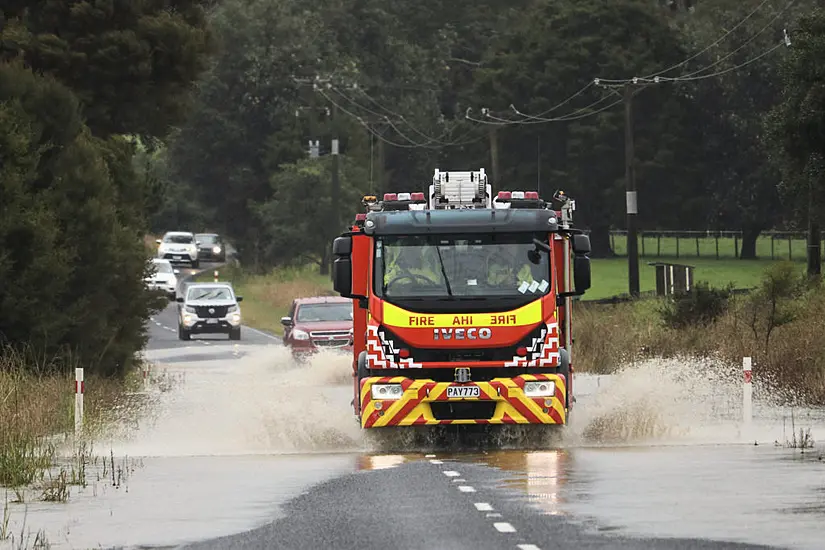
x=211 y=321
x=463 y=391
x=178 y=257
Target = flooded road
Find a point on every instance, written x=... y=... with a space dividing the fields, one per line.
x=244 y=449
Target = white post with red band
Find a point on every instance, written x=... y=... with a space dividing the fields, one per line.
x=79 y=387
x=747 y=393
x=216 y=276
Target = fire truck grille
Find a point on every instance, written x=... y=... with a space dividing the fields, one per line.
x=464 y=410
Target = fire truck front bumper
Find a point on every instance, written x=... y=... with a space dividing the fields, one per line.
x=524 y=399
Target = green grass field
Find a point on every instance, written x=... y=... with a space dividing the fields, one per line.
x=610 y=275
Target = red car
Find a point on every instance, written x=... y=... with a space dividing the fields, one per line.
x=321 y=322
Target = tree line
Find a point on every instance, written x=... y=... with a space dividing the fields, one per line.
x=83 y=85
x=411 y=86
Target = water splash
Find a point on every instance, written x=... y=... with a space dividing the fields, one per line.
x=261 y=403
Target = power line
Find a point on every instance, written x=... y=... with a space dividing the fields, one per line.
x=699 y=53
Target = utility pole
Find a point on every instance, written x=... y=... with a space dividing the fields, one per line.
x=814 y=252
x=494 y=154
x=632 y=200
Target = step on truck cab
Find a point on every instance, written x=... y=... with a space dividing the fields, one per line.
x=462 y=304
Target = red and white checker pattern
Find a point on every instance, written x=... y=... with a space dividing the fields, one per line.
x=544 y=350
x=381 y=352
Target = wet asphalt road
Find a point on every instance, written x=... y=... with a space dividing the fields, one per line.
x=163 y=326
x=430 y=504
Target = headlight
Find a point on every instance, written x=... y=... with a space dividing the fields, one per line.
x=216 y=250
x=299 y=334
x=232 y=308
x=190 y=309
x=540 y=389
x=387 y=391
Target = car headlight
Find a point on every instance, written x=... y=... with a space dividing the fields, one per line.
x=190 y=309
x=232 y=308
x=299 y=334
x=216 y=250
x=540 y=389
x=387 y=391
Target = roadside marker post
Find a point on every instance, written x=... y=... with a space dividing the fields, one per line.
x=79 y=388
x=216 y=275
x=747 y=393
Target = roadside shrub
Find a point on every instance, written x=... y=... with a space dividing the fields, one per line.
x=701 y=305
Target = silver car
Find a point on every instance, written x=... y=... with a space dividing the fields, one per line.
x=209 y=308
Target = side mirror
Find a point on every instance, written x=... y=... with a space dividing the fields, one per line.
x=581 y=244
x=342 y=266
x=179 y=299
x=239 y=298
x=158 y=241
x=581 y=272
x=286 y=321
x=342 y=276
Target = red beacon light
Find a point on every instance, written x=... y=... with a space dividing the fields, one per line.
x=361 y=216
x=504 y=195
x=390 y=196
x=531 y=195
x=417 y=196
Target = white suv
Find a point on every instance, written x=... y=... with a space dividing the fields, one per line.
x=179 y=247
x=163 y=277
x=209 y=308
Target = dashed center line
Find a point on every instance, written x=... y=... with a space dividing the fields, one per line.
x=528 y=547
x=436 y=462
x=483 y=507
x=459 y=480
x=466 y=489
x=504 y=527
x=451 y=473
x=429 y=456
x=493 y=515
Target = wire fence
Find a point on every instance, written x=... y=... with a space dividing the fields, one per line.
x=774 y=245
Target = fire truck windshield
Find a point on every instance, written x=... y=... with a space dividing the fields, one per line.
x=461 y=266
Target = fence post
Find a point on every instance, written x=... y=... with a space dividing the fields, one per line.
x=677 y=245
x=658 y=245
x=773 y=244
x=697 y=248
x=790 y=249
x=736 y=245
x=79 y=388
x=747 y=393
x=717 y=246
x=642 y=238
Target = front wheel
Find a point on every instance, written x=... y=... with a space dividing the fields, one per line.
x=196 y=264
x=183 y=334
x=235 y=333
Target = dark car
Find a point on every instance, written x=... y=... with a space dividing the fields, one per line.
x=211 y=247
x=321 y=322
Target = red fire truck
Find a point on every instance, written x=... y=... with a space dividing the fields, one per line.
x=462 y=304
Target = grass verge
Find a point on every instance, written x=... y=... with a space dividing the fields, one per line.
x=268 y=297
x=36 y=407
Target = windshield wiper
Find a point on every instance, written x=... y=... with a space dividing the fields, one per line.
x=443 y=271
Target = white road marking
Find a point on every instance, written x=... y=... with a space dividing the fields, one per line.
x=504 y=527
x=528 y=547
x=494 y=515
x=459 y=480
x=436 y=462
x=466 y=489
x=451 y=473
x=429 y=456
x=483 y=507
